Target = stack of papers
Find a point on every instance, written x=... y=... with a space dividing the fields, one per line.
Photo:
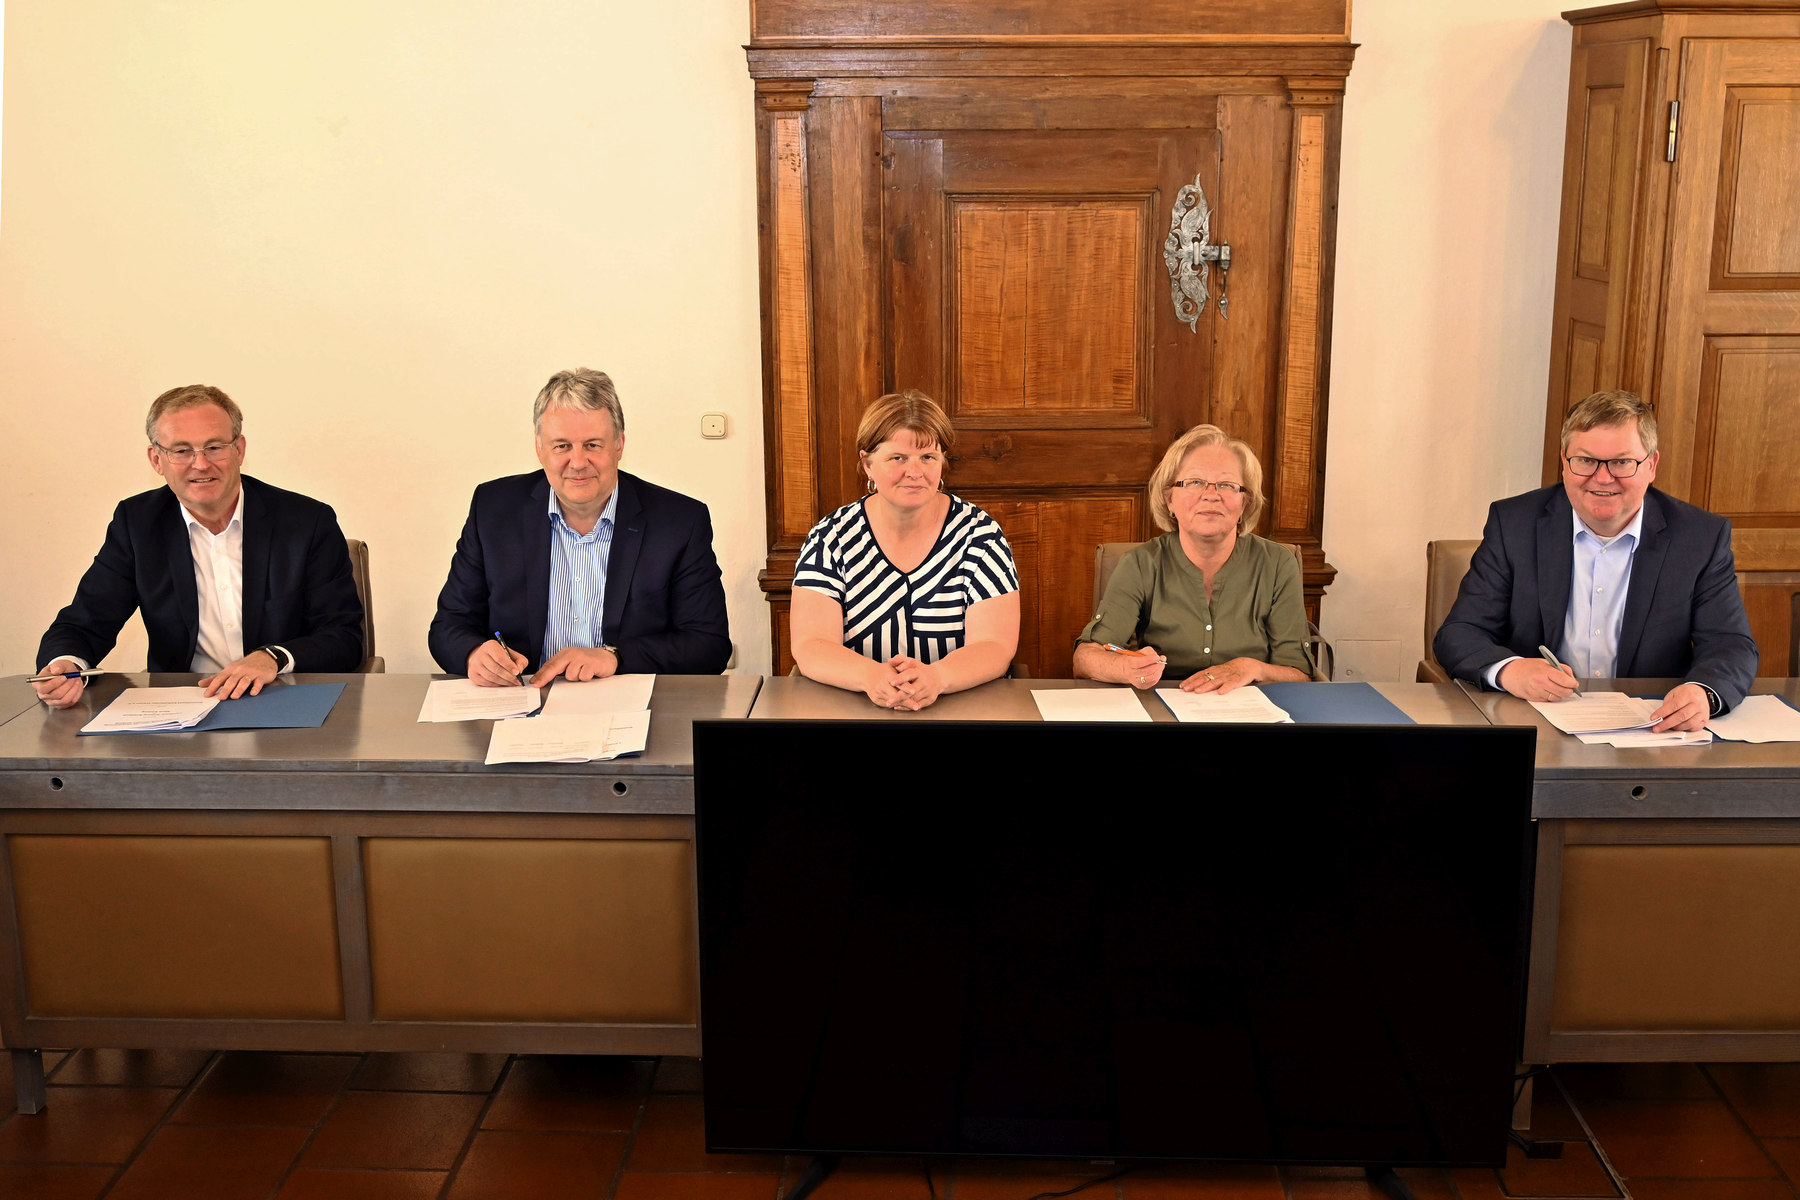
x=460 y=700
x=1244 y=706
x=150 y=709
x=1089 y=704
x=1759 y=719
x=569 y=739
x=1613 y=719
x=1598 y=712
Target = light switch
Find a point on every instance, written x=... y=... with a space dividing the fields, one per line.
x=712 y=425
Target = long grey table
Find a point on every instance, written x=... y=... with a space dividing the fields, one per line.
x=1666 y=920
x=365 y=885
x=797 y=698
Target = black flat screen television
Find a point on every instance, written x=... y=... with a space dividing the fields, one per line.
x=1292 y=944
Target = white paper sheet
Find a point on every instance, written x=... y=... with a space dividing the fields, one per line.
x=591 y=697
x=1243 y=706
x=1625 y=738
x=151 y=708
x=1089 y=704
x=569 y=739
x=1758 y=719
x=1598 y=712
x=460 y=700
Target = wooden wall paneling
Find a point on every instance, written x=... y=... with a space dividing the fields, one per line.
x=1297 y=467
x=774 y=20
x=913 y=224
x=1601 y=190
x=847 y=264
x=788 y=400
x=1254 y=152
x=1769 y=602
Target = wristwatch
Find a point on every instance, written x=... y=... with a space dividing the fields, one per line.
x=283 y=660
x=612 y=648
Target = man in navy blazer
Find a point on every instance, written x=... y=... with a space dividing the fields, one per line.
x=235 y=579
x=580 y=570
x=1618 y=579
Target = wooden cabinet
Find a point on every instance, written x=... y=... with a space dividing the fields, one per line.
x=973 y=200
x=1678 y=268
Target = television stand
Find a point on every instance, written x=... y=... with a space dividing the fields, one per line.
x=1385 y=1178
x=816 y=1171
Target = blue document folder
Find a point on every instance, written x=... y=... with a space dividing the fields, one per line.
x=278 y=706
x=1335 y=704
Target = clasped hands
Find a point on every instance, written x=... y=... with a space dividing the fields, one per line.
x=1685 y=709
x=904 y=683
x=494 y=665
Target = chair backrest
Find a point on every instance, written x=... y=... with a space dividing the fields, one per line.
x=1446 y=562
x=1106 y=561
x=359 y=568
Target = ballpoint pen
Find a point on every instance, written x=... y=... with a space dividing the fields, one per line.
x=86 y=674
x=1112 y=649
x=1551 y=659
x=509 y=651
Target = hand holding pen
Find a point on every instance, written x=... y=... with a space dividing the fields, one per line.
x=1141 y=668
x=495 y=664
x=1542 y=678
x=60 y=683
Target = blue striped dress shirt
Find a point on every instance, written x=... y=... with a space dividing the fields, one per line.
x=577 y=579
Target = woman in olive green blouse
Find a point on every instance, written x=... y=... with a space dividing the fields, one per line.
x=1209 y=602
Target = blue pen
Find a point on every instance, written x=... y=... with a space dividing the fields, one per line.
x=87 y=674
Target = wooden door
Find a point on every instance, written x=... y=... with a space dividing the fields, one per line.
x=1728 y=383
x=1027 y=292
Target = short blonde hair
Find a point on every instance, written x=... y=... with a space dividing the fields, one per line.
x=1608 y=409
x=193 y=395
x=911 y=410
x=1163 y=478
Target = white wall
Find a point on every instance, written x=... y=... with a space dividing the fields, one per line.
x=1447 y=215
x=380 y=226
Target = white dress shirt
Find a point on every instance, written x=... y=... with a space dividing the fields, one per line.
x=219 y=582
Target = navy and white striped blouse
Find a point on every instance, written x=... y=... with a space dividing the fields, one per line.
x=918 y=614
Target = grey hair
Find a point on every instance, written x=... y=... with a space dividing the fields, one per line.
x=193 y=395
x=582 y=390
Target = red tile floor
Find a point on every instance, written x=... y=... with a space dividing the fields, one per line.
x=194 y=1125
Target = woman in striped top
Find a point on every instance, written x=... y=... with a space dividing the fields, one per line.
x=909 y=592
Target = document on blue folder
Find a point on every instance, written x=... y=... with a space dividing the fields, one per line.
x=1335 y=704
x=278 y=706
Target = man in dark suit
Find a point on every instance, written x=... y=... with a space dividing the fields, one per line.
x=1616 y=578
x=237 y=580
x=581 y=570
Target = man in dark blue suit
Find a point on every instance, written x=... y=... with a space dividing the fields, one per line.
x=235 y=579
x=581 y=571
x=1617 y=578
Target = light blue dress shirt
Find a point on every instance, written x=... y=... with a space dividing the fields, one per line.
x=577 y=579
x=1600 y=577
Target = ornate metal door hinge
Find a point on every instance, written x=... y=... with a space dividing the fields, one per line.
x=1188 y=253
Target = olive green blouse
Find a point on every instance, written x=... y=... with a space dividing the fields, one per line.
x=1157 y=597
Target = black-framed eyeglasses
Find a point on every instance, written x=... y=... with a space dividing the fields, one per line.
x=1618 y=468
x=213 y=452
x=1223 y=486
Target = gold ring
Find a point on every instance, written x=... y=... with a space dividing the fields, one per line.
x=1209 y=675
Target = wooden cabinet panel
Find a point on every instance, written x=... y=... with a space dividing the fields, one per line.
x=1678 y=272
x=1215 y=19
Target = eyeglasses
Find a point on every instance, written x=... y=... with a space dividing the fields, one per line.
x=1224 y=486
x=1618 y=468
x=213 y=451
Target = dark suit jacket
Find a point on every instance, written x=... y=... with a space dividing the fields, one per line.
x=664 y=607
x=1684 y=617
x=298 y=589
